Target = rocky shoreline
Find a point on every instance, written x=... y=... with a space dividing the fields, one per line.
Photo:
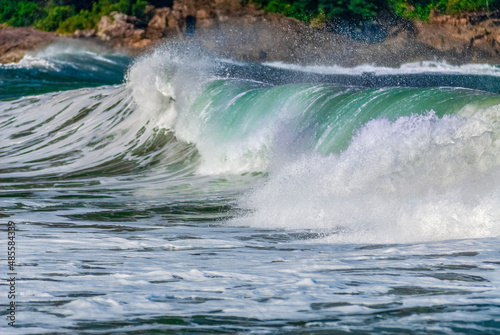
x=243 y=32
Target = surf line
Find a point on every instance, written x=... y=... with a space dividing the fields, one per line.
x=11 y=262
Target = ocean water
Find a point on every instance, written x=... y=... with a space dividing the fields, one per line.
x=184 y=193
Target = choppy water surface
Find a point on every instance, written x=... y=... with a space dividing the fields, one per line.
x=194 y=194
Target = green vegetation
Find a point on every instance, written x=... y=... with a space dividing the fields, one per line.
x=420 y=9
x=367 y=10
x=66 y=16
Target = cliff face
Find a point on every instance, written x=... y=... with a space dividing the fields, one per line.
x=470 y=37
x=246 y=33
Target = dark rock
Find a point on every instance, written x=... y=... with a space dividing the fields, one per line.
x=157 y=26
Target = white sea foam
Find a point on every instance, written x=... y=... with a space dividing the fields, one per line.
x=407 y=68
x=418 y=178
x=71 y=47
x=30 y=62
x=52 y=56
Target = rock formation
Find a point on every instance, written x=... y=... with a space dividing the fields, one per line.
x=15 y=42
x=245 y=32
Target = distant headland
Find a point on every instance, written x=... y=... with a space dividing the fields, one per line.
x=305 y=32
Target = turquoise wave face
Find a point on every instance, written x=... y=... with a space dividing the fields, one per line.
x=250 y=117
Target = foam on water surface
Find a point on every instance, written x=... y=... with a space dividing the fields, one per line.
x=437 y=67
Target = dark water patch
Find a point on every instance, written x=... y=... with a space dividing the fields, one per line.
x=99 y=262
x=55 y=274
x=58 y=207
x=404 y=312
x=174 y=279
x=413 y=269
x=85 y=294
x=50 y=181
x=102 y=142
x=359 y=270
x=60 y=138
x=384 y=306
x=281 y=237
x=456 y=254
x=194 y=211
x=155 y=141
x=27 y=264
x=118 y=166
x=477 y=328
x=21 y=134
x=457 y=267
x=97 y=274
x=96 y=267
x=456 y=277
x=82 y=196
x=77 y=226
x=188 y=300
x=8 y=122
x=34 y=305
x=205 y=254
x=325 y=305
x=424 y=291
x=376 y=246
x=122 y=324
x=116 y=228
x=59 y=159
x=185 y=237
x=16 y=194
x=355 y=283
x=54 y=224
x=40 y=279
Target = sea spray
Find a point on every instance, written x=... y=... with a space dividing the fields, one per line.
x=418 y=178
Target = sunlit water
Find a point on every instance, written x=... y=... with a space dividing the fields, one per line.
x=200 y=195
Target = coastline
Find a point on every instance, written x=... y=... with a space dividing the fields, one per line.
x=243 y=32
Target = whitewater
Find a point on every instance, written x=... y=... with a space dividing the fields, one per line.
x=187 y=193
